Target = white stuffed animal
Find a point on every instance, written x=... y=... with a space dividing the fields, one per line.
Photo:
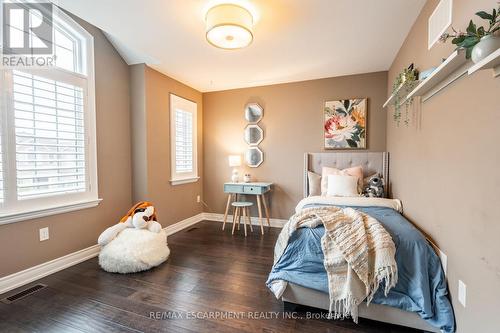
x=141 y=216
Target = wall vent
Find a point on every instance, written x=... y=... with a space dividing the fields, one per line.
x=24 y=293
x=439 y=21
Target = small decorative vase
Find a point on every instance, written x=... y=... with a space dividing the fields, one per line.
x=247 y=178
x=234 y=176
x=484 y=48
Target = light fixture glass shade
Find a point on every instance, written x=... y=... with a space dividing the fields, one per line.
x=229 y=26
x=234 y=160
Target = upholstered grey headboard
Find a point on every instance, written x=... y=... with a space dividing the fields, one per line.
x=371 y=162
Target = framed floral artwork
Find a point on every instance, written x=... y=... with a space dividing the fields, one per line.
x=345 y=124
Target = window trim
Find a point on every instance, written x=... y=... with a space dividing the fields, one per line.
x=88 y=66
x=52 y=205
x=48 y=211
x=185 y=177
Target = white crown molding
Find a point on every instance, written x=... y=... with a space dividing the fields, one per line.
x=13 y=281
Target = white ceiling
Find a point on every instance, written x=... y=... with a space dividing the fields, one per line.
x=294 y=40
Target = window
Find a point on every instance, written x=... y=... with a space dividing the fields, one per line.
x=183 y=140
x=47 y=130
x=69 y=46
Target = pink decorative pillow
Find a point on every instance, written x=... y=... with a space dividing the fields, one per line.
x=356 y=171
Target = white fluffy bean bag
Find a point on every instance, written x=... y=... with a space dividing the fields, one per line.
x=134 y=250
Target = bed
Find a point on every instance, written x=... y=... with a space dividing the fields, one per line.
x=419 y=300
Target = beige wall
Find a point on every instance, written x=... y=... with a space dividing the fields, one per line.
x=20 y=247
x=151 y=145
x=139 y=135
x=292 y=125
x=446 y=171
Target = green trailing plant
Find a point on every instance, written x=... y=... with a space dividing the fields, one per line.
x=473 y=34
x=404 y=83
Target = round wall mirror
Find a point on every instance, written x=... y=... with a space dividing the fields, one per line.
x=253 y=113
x=253 y=135
x=254 y=157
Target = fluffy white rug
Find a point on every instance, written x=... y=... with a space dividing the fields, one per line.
x=134 y=250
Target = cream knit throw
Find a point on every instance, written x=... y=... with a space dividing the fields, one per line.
x=359 y=255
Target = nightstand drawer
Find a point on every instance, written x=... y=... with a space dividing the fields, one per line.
x=230 y=188
x=252 y=190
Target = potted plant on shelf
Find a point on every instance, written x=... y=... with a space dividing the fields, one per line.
x=404 y=83
x=478 y=42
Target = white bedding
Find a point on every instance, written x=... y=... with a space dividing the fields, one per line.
x=351 y=201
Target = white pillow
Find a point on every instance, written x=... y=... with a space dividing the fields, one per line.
x=342 y=186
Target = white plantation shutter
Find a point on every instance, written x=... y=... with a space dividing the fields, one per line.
x=183 y=128
x=49 y=135
x=48 y=162
x=183 y=141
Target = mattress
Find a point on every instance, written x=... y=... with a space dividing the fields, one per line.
x=421 y=286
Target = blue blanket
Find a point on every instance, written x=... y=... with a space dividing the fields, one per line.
x=421 y=286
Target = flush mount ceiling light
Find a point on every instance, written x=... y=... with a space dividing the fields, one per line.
x=229 y=26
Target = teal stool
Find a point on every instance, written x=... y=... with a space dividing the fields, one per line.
x=241 y=208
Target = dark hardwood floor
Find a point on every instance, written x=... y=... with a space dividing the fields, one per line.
x=209 y=272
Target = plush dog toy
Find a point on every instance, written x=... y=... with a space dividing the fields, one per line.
x=375 y=187
x=141 y=216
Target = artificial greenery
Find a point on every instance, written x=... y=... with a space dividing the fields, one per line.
x=404 y=83
x=473 y=34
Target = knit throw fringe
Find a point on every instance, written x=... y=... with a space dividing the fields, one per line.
x=343 y=308
x=359 y=255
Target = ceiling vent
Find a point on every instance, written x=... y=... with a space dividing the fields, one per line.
x=439 y=21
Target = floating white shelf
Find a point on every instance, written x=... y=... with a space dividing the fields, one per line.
x=491 y=61
x=397 y=92
x=444 y=75
x=450 y=70
x=393 y=95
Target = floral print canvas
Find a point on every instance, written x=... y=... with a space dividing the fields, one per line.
x=345 y=124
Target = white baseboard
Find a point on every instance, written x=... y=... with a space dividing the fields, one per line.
x=176 y=227
x=31 y=274
x=275 y=223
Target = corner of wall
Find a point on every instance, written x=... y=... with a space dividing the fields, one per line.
x=138 y=130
